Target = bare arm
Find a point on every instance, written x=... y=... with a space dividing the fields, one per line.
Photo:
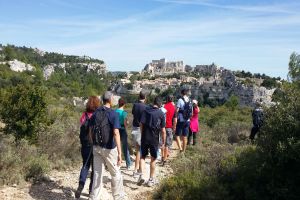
x=118 y=144
x=141 y=128
x=175 y=119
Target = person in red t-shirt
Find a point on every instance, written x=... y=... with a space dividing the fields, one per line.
x=170 y=115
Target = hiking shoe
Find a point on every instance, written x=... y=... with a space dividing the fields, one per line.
x=141 y=181
x=163 y=162
x=78 y=191
x=129 y=168
x=150 y=182
x=159 y=158
x=136 y=174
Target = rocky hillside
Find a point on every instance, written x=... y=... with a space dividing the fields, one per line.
x=22 y=59
x=61 y=75
x=210 y=84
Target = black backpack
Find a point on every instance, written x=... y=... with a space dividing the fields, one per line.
x=151 y=122
x=101 y=127
x=84 y=132
x=258 y=117
x=187 y=111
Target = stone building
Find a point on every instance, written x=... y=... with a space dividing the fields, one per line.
x=164 y=67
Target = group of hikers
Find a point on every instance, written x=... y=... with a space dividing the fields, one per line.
x=103 y=136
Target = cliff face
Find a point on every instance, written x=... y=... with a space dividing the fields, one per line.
x=99 y=68
x=18 y=66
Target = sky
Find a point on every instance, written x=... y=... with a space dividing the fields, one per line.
x=256 y=36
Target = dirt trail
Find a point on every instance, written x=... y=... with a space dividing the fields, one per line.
x=62 y=184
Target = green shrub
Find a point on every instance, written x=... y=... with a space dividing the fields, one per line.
x=20 y=161
x=60 y=140
x=232 y=102
x=190 y=186
x=37 y=167
x=279 y=144
x=23 y=110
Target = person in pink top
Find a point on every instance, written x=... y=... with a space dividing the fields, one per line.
x=86 y=146
x=194 y=124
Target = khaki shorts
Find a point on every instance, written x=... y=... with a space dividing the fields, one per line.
x=169 y=138
x=136 y=135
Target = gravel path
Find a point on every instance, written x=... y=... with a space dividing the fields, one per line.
x=62 y=184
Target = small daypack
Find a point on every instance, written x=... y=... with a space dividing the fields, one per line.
x=187 y=111
x=102 y=128
x=84 y=132
x=153 y=123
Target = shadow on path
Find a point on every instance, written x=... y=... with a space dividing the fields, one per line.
x=50 y=190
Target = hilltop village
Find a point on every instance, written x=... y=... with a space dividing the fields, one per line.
x=209 y=82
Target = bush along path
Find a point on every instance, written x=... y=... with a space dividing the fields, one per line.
x=61 y=185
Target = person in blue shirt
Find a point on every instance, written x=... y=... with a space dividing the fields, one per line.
x=104 y=129
x=137 y=109
x=123 y=133
x=182 y=125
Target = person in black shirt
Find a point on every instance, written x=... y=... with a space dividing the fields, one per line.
x=152 y=124
x=258 y=119
x=137 y=110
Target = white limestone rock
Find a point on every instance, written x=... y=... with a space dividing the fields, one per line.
x=48 y=70
x=19 y=66
x=97 y=67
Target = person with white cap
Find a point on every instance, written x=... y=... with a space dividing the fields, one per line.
x=194 y=124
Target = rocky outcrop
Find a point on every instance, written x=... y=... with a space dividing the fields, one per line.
x=19 y=66
x=48 y=70
x=39 y=51
x=97 y=67
x=220 y=85
x=210 y=70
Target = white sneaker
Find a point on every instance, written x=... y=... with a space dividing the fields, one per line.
x=141 y=181
x=136 y=174
x=158 y=158
x=151 y=182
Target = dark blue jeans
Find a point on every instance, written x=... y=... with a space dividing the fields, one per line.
x=123 y=135
x=87 y=161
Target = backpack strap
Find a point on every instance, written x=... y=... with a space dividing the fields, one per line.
x=86 y=116
x=181 y=110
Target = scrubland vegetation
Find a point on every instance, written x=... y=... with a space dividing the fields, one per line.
x=41 y=132
x=54 y=144
x=226 y=165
